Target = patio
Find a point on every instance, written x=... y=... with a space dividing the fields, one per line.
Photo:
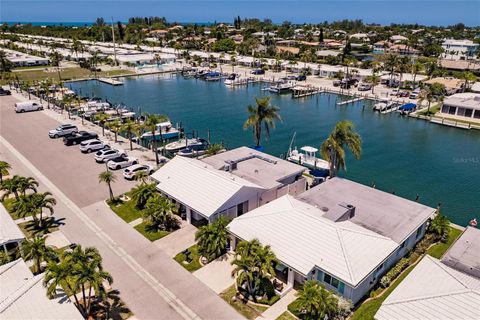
x=217 y=275
x=178 y=241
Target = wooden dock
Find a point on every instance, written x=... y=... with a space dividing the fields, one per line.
x=342 y=103
x=111 y=81
x=300 y=91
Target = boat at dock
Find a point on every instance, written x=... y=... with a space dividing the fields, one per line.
x=407 y=108
x=385 y=106
x=307 y=157
x=195 y=149
x=164 y=130
x=213 y=76
x=235 y=80
x=282 y=86
x=183 y=143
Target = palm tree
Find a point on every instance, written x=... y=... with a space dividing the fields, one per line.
x=11 y=186
x=129 y=127
x=108 y=178
x=46 y=87
x=27 y=183
x=390 y=63
x=4 y=167
x=142 y=176
x=214 y=149
x=59 y=275
x=253 y=262
x=467 y=76
x=151 y=125
x=102 y=119
x=315 y=302
x=434 y=92
x=332 y=149
x=141 y=193
x=115 y=126
x=159 y=214
x=36 y=250
x=440 y=226
x=233 y=61
x=35 y=204
x=374 y=80
x=417 y=67
x=56 y=58
x=261 y=114
x=212 y=239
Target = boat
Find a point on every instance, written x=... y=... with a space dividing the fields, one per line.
x=407 y=108
x=213 y=76
x=232 y=79
x=384 y=106
x=282 y=86
x=196 y=149
x=164 y=130
x=307 y=157
x=182 y=144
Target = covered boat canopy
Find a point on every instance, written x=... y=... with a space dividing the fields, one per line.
x=408 y=106
x=309 y=149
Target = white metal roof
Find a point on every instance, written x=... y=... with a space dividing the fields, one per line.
x=22 y=296
x=9 y=231
x=302 y=238
x=199 y=185
x=433 y=291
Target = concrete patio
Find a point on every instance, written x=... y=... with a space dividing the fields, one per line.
x=178 y=241
x=217 y=275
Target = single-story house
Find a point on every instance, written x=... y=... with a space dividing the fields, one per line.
x=463 y=105
x=230 y=183
x=20 y=59
x=452 y=85
x=23 y=296
x=440 y=289
x=323 y=54
x=341 y=233
x=291 y=50
x=10 y=234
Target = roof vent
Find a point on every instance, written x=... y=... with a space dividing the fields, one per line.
x=342 y=212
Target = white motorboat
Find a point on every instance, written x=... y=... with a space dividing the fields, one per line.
x=182 y=144
x=166 y=130
x=281 y=86
x=307 y=157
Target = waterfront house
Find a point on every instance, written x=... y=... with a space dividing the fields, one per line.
x=10 y=234
x=341 y=233
x=462 y=105
x=452 y=85
x=459 y=49
x=440 y=289
x=20 y=59
x=22 y=296
x=230 y=183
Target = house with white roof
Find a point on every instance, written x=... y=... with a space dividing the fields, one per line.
x=10 y=234
x=341 y=233
x=23 y=296
x=440 y=289
x=462 y=105
x=459 y=49
x=230 y=183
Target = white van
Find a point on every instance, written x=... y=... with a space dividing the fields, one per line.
x=28 y=106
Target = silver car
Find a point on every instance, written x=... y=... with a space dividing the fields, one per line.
x=107 y=154
x=93 y=145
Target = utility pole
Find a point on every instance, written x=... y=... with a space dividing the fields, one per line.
x=114 y=49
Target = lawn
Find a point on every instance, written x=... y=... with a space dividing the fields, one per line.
x=440 y=248
x=194 y=264
x=248 y=310
x=433 y=109
x=8 y=204
x=65 y=74
x=286 y=316
x=152 y=236
x=29 y=230
x=127 y=211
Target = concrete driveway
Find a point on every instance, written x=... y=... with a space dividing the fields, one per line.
x=178 y=241
x=217 y=275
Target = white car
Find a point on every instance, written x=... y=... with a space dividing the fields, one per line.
x=63 y=130
x=107 y=154
x=27 y=106
x=93 y=145
x=121 y=162
x=129 y=173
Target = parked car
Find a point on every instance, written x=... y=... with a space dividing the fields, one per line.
x=107 y=154
x=63 y=130
x=93 y=145
x=129 y=173
x=78 y=137
x=394 y=92
x=121 y=162
x=404 y=94
x=4 y=92
x=258 y=71
x=414 y=95
x=27 y=106
x=301 y=77
x=337 y=83
x=364 y=87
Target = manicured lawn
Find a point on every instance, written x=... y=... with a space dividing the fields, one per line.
x=127 y=211
x=286 y=316
x=248 y=310
x=368 y=309
x=29 y=231
x=440 y=248
x=8 y=204
x=194 y=264
x=152 y=236
x=433 y=109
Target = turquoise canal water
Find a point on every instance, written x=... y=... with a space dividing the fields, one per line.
x=400 y=154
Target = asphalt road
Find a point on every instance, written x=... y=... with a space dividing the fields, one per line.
x=152 y=284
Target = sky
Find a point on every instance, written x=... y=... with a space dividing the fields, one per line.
x=426 y=12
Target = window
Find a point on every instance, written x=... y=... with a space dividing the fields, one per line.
x=334 y=282
x=468 y=113
x=452 y=110
x=327 y=278
x=445 y=109
x=477 y=114
x=461 y=112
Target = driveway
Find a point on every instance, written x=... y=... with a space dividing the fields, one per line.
x=217 y=275
x=178 y=241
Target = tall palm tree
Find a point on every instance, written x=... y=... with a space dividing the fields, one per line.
x=333 y=148
x=108 y=178
x=390 y=63
x=56 y=58
x=36 y=250
x=212 y=239
x=262 y=114
x=315 y=302
x=59 y=275
x=115 y=126
x=151 y=125
x=27 y=183
x=252 y=263
x=129 y=127
x=440 y=226
x=159 y=214
x=35 y=204
x=102 y=119
x=142 y=176
x=417 y=67
x=467 y=76
x=11 y=186
x=4 y=167
x=141 y=193
x=434 y=92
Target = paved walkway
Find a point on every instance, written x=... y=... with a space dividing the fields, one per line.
x=279 y=307
x=57 y=239
x=217 y=274
x=178 y=241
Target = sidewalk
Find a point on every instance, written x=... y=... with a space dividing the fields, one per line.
x=279 y=307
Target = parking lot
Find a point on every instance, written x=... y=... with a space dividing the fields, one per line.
x=75 y=173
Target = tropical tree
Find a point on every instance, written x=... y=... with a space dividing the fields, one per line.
x=373 y=80
x=141 y=175
x=253 y=262
x=129 y=127
x=151 y=125
x=417 y=67
x=390 y=63
x=4 y=257
x=27 y=183
x=142 y=193
x=440 y=226
x=333 y=148
x=108 y=178
x=4 y=167
x=214 y=149
x=159 y=214
x=212 y=239
x=34 y=204
x=115 y=126
x=56 y=58
x=102 y=119
x=434 y=92
x=467 y=76
x=35 y=249
x=262 y=114
x=11 y=186
x=315 y=302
